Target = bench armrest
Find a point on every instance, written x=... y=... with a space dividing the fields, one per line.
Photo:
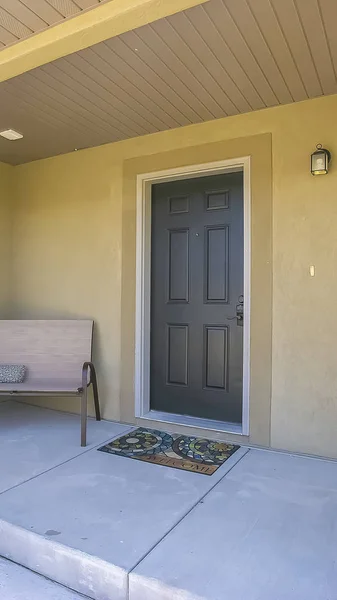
x=88 y=367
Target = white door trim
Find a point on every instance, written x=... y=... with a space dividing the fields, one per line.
x=143 y=292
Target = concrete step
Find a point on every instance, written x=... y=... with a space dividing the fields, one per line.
x=18 y=583
x=89 y=575
x=87 y=523
x=266 y=531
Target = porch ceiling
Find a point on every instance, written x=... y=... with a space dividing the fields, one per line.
x=221 y=58
x=20 y=19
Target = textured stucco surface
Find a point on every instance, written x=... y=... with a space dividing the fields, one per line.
x=68 y=257
x=6 y=215
x=259 y=149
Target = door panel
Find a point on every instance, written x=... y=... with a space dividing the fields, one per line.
x=177 y=354
x=216 y=267
x=196 y=284
x=216 y=357
x=178 y=255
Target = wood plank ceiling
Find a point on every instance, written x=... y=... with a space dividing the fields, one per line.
x=218 y=59
x=20 y=19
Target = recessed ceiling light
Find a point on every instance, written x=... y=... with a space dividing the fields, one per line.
x=11 y=134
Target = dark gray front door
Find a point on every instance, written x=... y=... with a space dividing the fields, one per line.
x=196 y=293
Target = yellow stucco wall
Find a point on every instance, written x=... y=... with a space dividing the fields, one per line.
x=5 y=237
x=68 y=242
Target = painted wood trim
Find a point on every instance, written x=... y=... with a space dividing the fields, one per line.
x=143 y=279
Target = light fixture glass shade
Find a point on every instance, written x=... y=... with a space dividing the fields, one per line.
x=320 y=161
x=11 y=134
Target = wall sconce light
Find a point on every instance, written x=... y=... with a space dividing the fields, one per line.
x=320 y=160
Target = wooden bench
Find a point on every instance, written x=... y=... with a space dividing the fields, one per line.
x=57 y=356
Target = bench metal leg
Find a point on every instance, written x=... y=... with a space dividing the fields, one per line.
x=96 y=402
x=84 y=410
x=95 y=391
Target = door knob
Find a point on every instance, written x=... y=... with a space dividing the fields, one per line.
x=239 y=312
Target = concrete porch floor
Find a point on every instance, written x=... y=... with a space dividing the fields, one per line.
x=263 y=527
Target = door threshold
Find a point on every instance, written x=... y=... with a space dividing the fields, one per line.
x=222 y=426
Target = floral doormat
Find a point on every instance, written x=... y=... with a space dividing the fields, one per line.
x=172 y=450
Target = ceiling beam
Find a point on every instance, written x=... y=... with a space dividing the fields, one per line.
x=91 y=27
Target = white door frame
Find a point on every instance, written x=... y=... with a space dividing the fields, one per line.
x=143 y=292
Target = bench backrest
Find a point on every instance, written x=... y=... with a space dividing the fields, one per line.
x=49 y=349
